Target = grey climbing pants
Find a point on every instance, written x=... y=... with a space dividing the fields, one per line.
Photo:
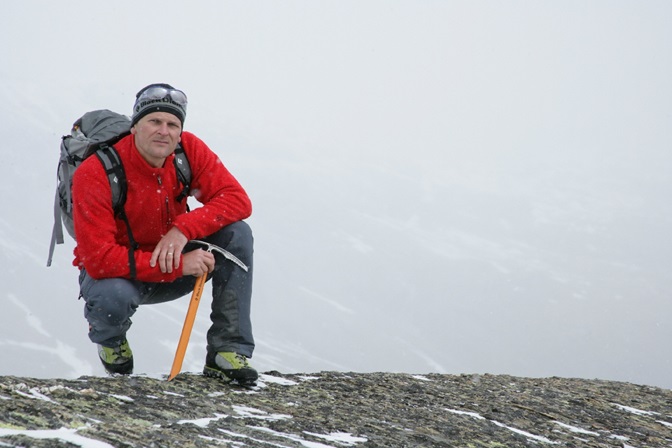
x=111 y=302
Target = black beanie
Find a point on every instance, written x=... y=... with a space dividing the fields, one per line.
x=165 y=103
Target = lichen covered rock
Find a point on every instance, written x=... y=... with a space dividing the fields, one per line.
x=332 y=409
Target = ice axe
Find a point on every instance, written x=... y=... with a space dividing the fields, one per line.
x=193 y=306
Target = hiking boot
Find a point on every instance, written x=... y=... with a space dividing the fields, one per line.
x=230 y=366
x=117 y=359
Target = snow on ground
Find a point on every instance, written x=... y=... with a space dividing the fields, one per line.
x=64 y=434
x=563 y=426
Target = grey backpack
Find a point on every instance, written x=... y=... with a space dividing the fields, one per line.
x=95 y=133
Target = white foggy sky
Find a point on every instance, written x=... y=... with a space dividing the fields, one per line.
x=527 y=138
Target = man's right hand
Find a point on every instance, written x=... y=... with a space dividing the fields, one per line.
x=197 y=262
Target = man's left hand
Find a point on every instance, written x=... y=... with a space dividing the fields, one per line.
x=168 y=251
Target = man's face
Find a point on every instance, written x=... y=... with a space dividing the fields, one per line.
x=156 y=136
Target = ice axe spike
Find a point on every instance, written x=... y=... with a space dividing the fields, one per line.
x=193 y=306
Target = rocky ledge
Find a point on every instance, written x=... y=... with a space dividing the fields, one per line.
x=332 y=409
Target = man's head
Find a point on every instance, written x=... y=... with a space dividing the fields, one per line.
x=159 y=98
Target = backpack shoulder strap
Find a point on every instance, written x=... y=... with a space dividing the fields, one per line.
x=109 y=158
x=183 y=170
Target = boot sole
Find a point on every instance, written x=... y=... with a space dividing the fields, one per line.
x=119 y=369
x=216 y=373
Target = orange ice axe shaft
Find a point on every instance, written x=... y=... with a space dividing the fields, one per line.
x=193 y=308
x=188 y=325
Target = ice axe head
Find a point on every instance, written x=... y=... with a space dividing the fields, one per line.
x=209 y=247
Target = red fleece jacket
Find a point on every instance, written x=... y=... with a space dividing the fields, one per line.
x=102 y=240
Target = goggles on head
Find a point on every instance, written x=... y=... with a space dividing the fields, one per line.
x=159 y=93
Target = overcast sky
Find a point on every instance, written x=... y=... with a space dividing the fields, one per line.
x=482 y=173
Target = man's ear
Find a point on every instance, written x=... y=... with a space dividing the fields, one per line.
x=133 y=130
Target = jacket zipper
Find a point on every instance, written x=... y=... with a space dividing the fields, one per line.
x=168 y=219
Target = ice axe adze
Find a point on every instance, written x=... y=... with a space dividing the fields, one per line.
x=193 y=306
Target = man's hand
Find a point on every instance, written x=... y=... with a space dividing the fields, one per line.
x=197 y=262
x=168 y=252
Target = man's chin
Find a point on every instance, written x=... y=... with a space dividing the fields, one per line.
x=165 y=148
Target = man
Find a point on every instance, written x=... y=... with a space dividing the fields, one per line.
x=117 y=276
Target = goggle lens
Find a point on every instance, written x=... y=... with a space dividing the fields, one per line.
x=158 y=93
